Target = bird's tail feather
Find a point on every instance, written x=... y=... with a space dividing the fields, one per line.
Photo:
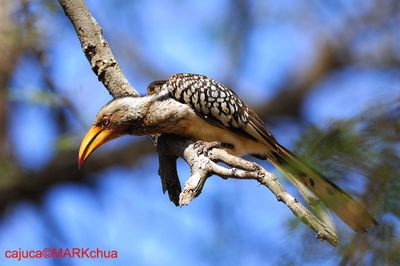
x=314 y=186
x=312 y=200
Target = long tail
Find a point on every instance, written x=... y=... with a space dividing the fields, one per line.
x=311 y=183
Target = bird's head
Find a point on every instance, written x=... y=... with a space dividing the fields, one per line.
x=115 y=119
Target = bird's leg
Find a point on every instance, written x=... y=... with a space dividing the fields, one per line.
x=204 y=147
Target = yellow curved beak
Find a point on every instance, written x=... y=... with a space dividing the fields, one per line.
x=94 y=138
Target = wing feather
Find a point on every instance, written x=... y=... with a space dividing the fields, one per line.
x=219 y=105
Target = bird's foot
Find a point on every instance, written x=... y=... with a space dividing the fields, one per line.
x=205 y=147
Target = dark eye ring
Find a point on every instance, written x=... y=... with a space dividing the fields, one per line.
x=106 y=120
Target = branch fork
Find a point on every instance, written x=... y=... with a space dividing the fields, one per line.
x=202 y=167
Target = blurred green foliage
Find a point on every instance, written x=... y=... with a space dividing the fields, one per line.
x=365 y=152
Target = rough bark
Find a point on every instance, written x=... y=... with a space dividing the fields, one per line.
x=97 y=50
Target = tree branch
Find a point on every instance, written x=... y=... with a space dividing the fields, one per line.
x=96 y=49
x=203 y=166
x=170 y=147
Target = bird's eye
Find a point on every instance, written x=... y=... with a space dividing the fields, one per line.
x=106 y=120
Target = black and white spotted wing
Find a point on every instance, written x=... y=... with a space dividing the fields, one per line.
x=212 y=100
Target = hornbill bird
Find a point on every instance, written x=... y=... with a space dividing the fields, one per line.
x=200 y=108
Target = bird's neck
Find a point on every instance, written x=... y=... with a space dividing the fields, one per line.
x=154 y=115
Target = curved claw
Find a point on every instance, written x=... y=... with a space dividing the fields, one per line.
x=205 y=147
